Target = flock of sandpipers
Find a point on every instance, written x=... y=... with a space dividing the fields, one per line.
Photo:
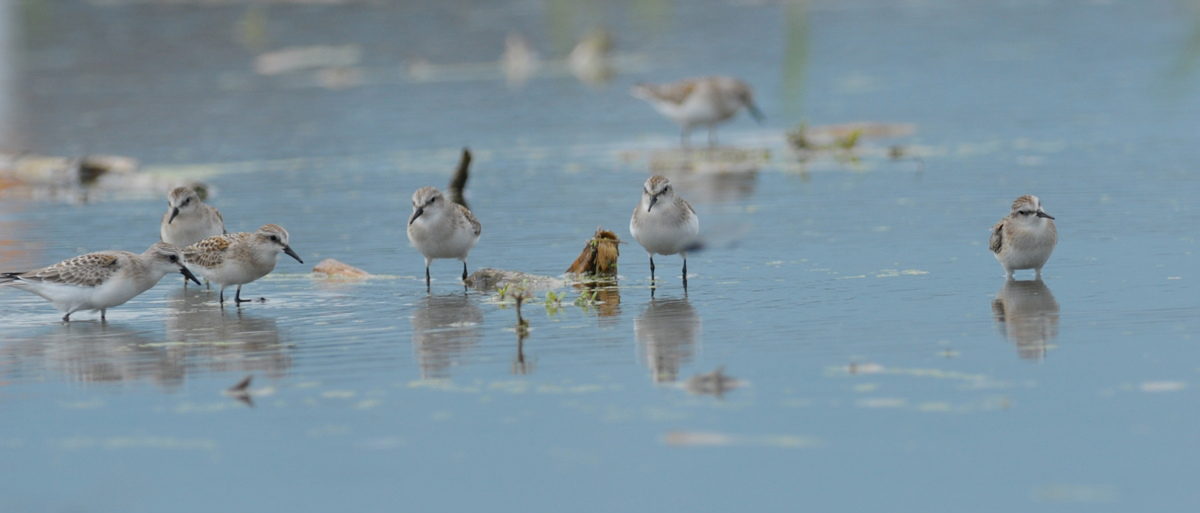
x=193 y=237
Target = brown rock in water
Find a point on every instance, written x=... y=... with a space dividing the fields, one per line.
x=334 y=269
x=599 y=256
x=488 y=279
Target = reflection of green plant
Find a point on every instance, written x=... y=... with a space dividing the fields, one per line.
x=587 y=299
x=554 y=301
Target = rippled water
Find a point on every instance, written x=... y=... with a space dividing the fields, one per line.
x=884 y=362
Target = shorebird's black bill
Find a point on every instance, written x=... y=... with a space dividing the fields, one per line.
x=1045 y=215
x=757 y=114
x=174 y=212
x=416 y=213
x=188 y=274
x=653 y=200
x=288 y=250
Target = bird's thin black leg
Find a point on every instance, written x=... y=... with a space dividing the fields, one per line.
x=685 y=274
x=237 y=297
x=464 y=270
x=651 y=268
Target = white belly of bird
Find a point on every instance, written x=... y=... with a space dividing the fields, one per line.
x=69 y=298
x=1019 y=259
x=660 y=236
x=232 y=272
x=457 y=245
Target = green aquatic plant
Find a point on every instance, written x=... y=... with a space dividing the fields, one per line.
x=587 y=299
x=554 y=301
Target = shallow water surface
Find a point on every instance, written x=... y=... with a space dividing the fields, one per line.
x=881 y=360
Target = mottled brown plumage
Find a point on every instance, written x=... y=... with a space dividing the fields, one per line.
x=87 y=270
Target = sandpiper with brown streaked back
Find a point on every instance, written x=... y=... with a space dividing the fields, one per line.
x=100 y=280
x=699 y=101
x=663 y=223
x=239 y=258
x=1025 y=238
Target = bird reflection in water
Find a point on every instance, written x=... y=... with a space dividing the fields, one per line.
x=93 y=352
x=666 y=332
x=443 y=329
x=218 y=341
x=1027 y=314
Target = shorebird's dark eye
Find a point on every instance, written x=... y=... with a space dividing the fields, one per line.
x=174 y=258
x=274 y=239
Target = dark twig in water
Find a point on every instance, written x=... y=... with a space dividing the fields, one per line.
x=459 y=181
x=520 y=296
x=241 y=391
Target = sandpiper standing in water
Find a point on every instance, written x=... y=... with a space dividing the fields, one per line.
x=1025 y=238
x=441 y=228
x=699 y=101
x=188 y=220
x=100 y=280
x=664 y=223
x=239 y=258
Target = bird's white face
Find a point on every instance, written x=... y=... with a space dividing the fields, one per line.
x=1028 y=210
x=428 y=203
x=656 y=189
x=275 y=238
x=182 y=200
x=169 y=259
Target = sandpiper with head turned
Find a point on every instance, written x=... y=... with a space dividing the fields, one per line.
x=1025 y=238
x=100 y=280
x=239 y=258
x=663 y=223
x=699 y=101
x=441 y=229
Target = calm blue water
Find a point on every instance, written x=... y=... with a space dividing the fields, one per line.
x=857 y=301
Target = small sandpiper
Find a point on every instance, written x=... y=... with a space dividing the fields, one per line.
x=1025 y=238
x=239 y=258
x=188 y=220
x=699 y=101
x=664 y=223
x=100 y=280
x=441 y=229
